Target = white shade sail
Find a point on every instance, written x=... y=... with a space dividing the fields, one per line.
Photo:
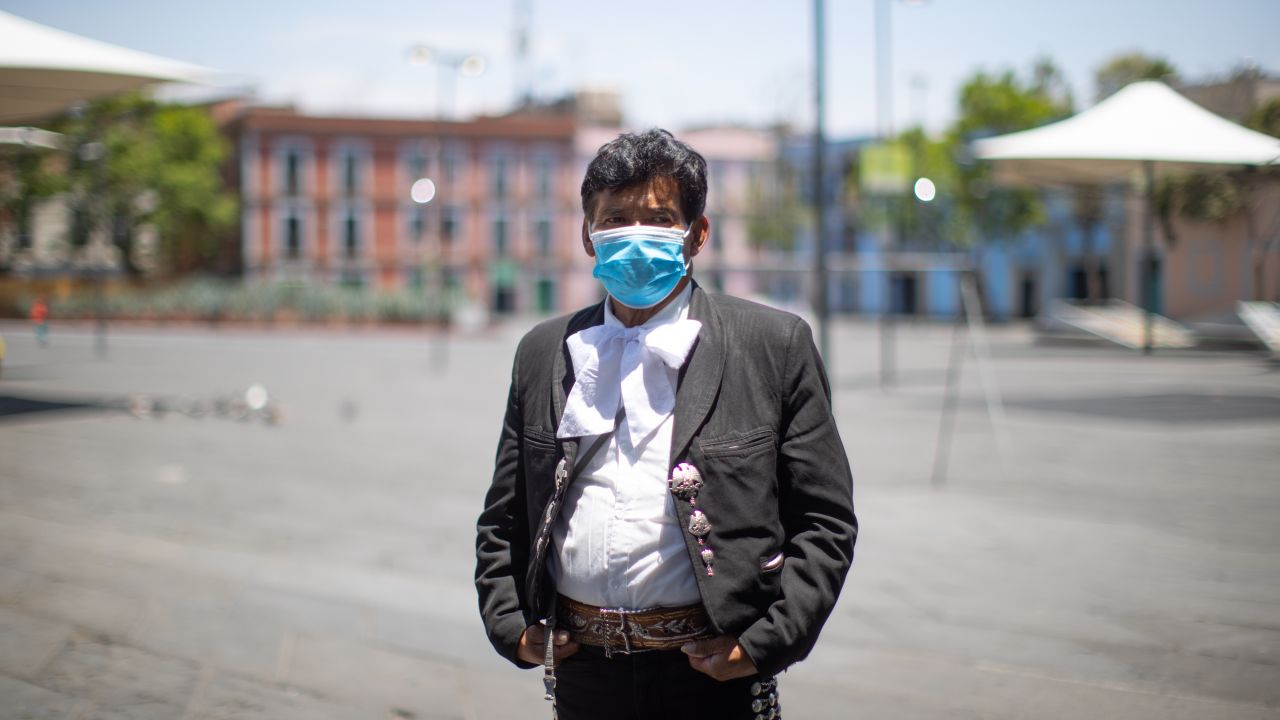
x=43 y=71
x=1145 y=121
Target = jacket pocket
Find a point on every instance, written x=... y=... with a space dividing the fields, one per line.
x=741 y=445
x=539 y=439
x=539 y=457
x=740 y=495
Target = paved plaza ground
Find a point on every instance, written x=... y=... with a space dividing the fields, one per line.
x=1123 y=560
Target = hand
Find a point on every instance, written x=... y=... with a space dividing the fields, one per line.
x=722 y=658
x=533 y=645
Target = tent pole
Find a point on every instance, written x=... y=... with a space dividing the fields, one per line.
x=1148 y=256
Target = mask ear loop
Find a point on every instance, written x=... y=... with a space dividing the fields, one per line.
x=688 y=263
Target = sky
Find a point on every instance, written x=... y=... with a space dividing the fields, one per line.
x=675 y=63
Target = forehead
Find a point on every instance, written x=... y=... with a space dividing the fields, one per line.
x=659 y=193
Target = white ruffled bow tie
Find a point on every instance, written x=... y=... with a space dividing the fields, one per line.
x=613 y=364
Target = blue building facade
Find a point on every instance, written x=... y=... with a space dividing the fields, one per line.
x=1018 y=276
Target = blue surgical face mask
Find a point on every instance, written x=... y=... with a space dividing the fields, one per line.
x=640 y=264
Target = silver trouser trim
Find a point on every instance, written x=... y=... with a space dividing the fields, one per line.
x=549 y=661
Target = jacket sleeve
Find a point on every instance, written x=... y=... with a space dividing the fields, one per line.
x=502 y=537
x=815 y=495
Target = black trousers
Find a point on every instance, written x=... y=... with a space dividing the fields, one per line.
x=655 y=684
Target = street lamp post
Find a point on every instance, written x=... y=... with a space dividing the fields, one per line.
x=422 y=192
x=884 y=128
x=820 y=299
x=449 y=66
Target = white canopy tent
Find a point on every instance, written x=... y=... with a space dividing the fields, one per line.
x=44 y=71
x=1145 y=121
x=28 y=137
x=1145 y=130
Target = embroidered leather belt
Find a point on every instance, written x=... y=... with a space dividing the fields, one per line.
x=633 y=630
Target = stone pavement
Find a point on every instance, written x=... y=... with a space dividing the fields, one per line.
x=1123 y=562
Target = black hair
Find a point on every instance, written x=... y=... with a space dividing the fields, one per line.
x=633 y=158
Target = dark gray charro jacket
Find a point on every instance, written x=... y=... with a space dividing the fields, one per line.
x=753 y=415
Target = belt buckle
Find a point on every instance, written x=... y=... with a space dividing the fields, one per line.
x=623 y=631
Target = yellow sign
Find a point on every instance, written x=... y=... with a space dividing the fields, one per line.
x=885 y=169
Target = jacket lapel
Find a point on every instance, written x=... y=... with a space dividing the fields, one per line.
x=700 y=377
x=562 y=376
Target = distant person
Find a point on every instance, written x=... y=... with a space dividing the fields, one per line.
x=40 y=318
x=671 y=498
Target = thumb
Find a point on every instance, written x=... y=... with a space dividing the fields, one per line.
x=698 y=648
x=533 y=635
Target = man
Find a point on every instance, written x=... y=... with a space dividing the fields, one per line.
x=671 y=499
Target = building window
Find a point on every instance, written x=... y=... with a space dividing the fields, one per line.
x=292 y=173
x=499 y=177
x=80 y=226
x=448 y=225
x=24 y=229
x=292 y=238
x=350 y=236
x=717 y=282
x=504 y=299
x=500 y=237
x=450 y=169
x=417 y=165
x=715 y=178
x=546 y=295
x=417 y=224
x=350 y=174
x=542 y=180
x=542 y=231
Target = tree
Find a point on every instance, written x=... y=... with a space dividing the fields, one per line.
x=134 y=161
x=28 y=176
x=776 y=212
x=994 y=105
x=914 y=222
x=1129 y=68
x=1265 y=118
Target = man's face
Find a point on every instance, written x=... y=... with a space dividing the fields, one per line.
x=655 y=203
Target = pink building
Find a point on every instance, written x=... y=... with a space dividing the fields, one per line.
x=327 y=199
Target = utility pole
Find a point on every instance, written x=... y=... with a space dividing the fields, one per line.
x=820 y=300
x=524 y=77
x=884 y=129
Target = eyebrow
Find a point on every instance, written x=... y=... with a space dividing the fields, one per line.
x=624 y=209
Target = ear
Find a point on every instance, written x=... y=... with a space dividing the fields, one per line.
x=586 y=240
x=698 y=238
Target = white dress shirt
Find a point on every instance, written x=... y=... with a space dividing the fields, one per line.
x=618 y=542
